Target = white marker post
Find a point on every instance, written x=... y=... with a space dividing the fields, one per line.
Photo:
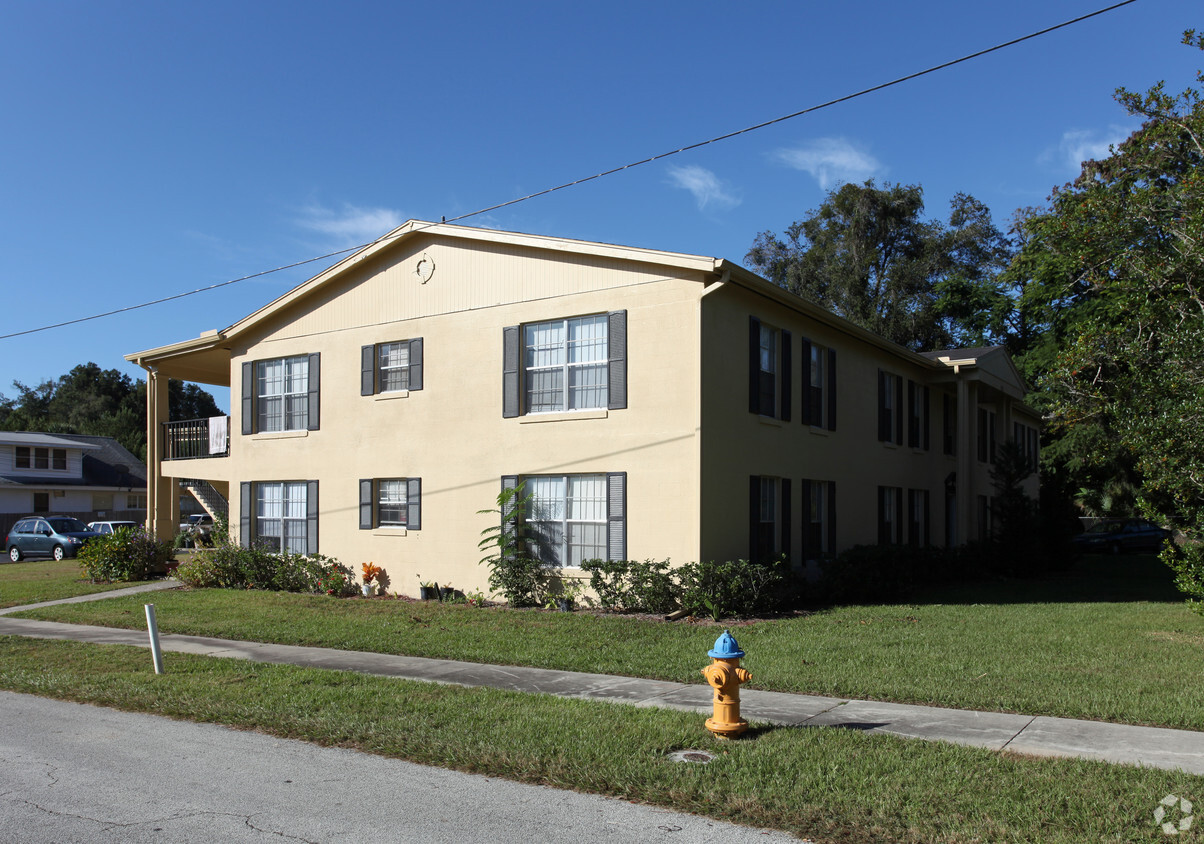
x=156 y=653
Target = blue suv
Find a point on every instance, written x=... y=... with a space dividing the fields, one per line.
x=47 y=536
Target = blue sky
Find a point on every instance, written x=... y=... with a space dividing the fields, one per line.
x=151 y=148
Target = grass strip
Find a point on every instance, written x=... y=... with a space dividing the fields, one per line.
x=826 y=784
x=1135 y=662
x=34 y=581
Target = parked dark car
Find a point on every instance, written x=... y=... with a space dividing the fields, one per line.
x=47 y=536
x=1116 y=536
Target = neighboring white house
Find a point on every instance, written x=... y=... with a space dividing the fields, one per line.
x=71 y=474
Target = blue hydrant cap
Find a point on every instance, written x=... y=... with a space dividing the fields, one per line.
x=725 y=648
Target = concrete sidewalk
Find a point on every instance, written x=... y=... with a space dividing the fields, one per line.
x=1035 y=735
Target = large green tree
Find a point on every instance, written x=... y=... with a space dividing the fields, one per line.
x=868 y=254
x=1118 y=264
x=98 y=402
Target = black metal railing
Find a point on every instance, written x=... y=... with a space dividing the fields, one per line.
x=193 y=438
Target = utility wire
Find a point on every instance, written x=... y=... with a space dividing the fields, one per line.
x=863 y=92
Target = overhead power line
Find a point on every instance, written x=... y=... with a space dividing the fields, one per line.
x=863 y=92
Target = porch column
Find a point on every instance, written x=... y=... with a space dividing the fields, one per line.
x=967 y=449
x=162 y=519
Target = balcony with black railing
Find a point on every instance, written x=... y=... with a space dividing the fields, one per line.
x=190 y=439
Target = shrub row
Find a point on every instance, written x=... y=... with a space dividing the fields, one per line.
x=230 y=566
x=879 y=573
x=719 y=590
x=128 y=554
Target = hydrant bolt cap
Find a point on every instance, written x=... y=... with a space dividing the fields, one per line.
x=725 y=648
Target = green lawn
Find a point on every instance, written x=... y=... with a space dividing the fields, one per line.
x=33 y=581
x=1111 y=641
x=829 y=785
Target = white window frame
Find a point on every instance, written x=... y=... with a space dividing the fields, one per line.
x=392 y=494
x=576 y=359
x=397 y=370
x=292 y=498
x=568 y=524
x=282 y=400
x=819 y=515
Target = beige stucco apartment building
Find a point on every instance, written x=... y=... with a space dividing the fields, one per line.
x=657 y=405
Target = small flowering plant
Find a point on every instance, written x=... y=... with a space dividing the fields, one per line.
x=371 y=572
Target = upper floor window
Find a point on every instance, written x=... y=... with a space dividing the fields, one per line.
x=40 y=458
x=576 y=363
x=918 y=432
x=949 y=426
x=986 y=435
x=391 y=367
x=564 y=364
x=769 y=370
x=890 y=408
x=1029 y=441
x=819 y=394
x=280 y=394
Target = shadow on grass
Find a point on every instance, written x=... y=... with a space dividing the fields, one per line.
x=1093 y=578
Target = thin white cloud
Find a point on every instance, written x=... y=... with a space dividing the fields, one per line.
x=1079 y=145
x=830 y=161
x=349 y=225
x=707 y=188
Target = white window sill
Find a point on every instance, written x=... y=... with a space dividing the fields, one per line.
x=771 y=421
x=280 y=435
x=392 y=394
x=563 y=416
x=389 y=531
x=820 y=432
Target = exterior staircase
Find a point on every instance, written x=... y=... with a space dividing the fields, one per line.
x=213 y=501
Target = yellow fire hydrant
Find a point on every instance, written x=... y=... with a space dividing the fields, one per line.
x=725 y=676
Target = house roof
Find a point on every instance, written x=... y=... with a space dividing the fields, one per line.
x=207 y=358
x=106 y=462
x=27 y=438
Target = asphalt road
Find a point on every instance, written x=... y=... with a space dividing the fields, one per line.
x=73 y=773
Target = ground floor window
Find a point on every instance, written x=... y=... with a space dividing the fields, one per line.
x=769 y=518
x=819 y=519
x=567 y=518
x=986 y=527
x=280 y=516
x=890 y=515
x=391 y=503
x=918 y=517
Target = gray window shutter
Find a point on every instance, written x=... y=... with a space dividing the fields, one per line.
x=315 y=384
x=832 y=516
x=311 y=517
x=884 y=433
x=246 y=506
x=414 y=504
x=248 y=398
x=510 y=365
x=809 y=553
x=883 y=525
x=366 y=503
x=616 y=516
x=367 y=370
x=807 y=420
x=787 y=518
x=416 y=364
x=616 y=340
x=786 y=376
x=510 y=516
x=754 y=516
x=754 y=365
x=831 y=389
